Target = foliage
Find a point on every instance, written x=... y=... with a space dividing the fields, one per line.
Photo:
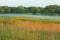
x=10 y=30
x=48 y=10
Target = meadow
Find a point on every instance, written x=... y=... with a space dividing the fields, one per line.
x=24 y=28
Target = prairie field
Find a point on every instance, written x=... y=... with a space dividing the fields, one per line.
x=24 y=28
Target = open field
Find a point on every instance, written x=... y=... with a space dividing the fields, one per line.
x=23 y=28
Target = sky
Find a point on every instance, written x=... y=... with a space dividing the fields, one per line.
x=27 y=3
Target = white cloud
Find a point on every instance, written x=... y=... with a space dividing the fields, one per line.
x=28 y=2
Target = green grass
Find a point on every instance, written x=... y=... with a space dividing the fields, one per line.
x=30 y=19
x=12 y=31
x=16 y=33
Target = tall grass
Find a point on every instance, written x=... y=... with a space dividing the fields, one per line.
x=10 y=30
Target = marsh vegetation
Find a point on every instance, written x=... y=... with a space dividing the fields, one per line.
x=23 y=28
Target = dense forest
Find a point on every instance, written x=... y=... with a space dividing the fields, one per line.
x=48 y=10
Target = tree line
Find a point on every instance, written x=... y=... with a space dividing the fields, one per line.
x=48 y=10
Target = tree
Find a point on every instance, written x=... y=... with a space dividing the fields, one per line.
x=6 y=9
x=1 y=10
x=21 y=9
x=51 y=8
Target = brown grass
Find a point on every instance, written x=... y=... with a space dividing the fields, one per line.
x=39 y=26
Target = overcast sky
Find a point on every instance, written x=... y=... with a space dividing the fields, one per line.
x=28 y=3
